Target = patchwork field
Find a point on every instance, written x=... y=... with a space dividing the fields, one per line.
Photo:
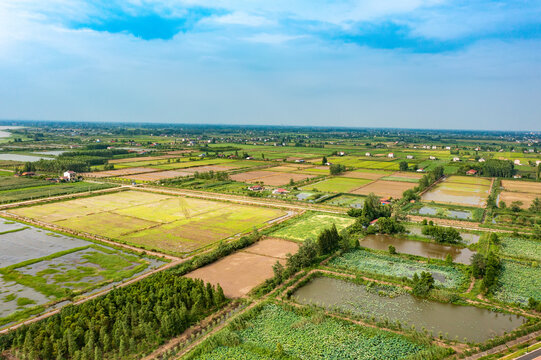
x=460 y=190
x=272 y=178
x=119 y=172
x=367 y=174
x=154 y=221
x=337 y=184
x=304 y=335
x=385 y=189
x=39 y=267
x=309 y=226
x=521 y=248
x=161 y=175
x=240 y=272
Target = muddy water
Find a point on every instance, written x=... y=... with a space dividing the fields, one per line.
x=420 y=248
x=451 y=196
x=474 y=324
x=467 y=238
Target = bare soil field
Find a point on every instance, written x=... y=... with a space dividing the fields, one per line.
x=522 y=186
x=155 y=176
x=119 y=172
x=240 y=272
x=385 y=188
x=526 y=198
x=272 y=178
x=208 y=168
x=366 y=174
x=142 y=158
x=405 y=174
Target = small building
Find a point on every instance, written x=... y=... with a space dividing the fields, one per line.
x=28 y=173
x=538 y=162
x=280 y=191
x=420 y=170
x=456 y=159
x=434 y=147
x=481 y=160
x=373 y=221
x=390 y=155
x=70 y=175
x=256 y=188
x=299 y=160
x=447 y=148
x=517 y=176
x=249 y=158
x=517 y=162
x=367 y=154
x=409 y=156
x=341 y=153
x=386 y=202
x=432 y=157
x=471 y=172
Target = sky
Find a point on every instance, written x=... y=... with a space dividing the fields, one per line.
x=462 y=64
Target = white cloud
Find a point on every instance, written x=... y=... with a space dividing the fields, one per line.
x=240 y=18
x=272 y=39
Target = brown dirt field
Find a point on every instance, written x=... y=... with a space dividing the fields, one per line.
x=119 y=172
x=509 y=196
x=385 y=188
x=252 y=175
x=407 y=174
x=142 y=158
x=237 y=273
x=522 y=186
x=283 y=178
x=364 y=175
x=207 y=168
x=169 y=174
x=273 y=247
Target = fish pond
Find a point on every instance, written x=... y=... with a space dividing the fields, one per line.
x=419 y=248
x=448 y=320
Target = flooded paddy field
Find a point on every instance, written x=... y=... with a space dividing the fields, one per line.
x=39 y=268
x=419 y=248
x=459 y=190
x=449 y=320
x=473 y=214
x=23 y=158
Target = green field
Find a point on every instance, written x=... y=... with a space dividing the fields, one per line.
x=518 y=282
x=346 y=200
x=154 y=221
x=395 y=266
x=337 y=184
x=308 y=335
x=49 y=189
x=521 y=248
x=309 y=226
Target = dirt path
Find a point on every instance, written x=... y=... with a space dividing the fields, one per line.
x=472 y=283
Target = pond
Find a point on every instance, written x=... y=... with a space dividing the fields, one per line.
x=467 y=238
x=419 y=248
x=22 y=158
x=474 y=324
x=458 y=194
x=50 y=152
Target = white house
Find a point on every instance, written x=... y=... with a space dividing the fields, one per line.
x=409 y=156
x=456 y=159
x=434 y=147
x=391 y=155
x=367 y=154
x=447 y=148
x=432 y=157
x=481 y=160
x=538 y=162
x=341 y=153
x=70 y=175
x=517 y=162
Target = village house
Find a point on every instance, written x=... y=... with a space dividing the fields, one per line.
x=517 y=162
x=367 y=154
x=409 y=156
x=456 y=159
x=432 y=157
x=481 y=160
x=256 y=188
x=390 y=155
x=447 y=148
x=280 y=191
x=70 y=175
x=471 y=172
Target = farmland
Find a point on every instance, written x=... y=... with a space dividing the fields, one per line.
x=385 y=189
x=240 y=272
x=337 y=184
x=47 y=190
x=153 y=221
x=40 y=268
x=394 y=266
x=309 y=225
x=307 y=335
x=519 y=282
x=460 y=190
x=273 y=178
x=522 y=191
x=521 y=248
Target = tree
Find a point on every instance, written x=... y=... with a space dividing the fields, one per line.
x=392 y=250
x=422 y=284
x=536 y=205
x=336 y=169
x=478 y=265
x=491 y=272
x=324 y=160
x=516 y=206
x=403 y=166
x=328 y=240
x=502 y=204
x=442 y=234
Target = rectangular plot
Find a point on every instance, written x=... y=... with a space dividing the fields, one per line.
x=526 y=198
x=337 y=184
x=119 y=172
x=366 y=174
x=155 y=176
x=385 y=189
x=522 y=186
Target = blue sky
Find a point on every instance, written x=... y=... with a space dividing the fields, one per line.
x=408 y=63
